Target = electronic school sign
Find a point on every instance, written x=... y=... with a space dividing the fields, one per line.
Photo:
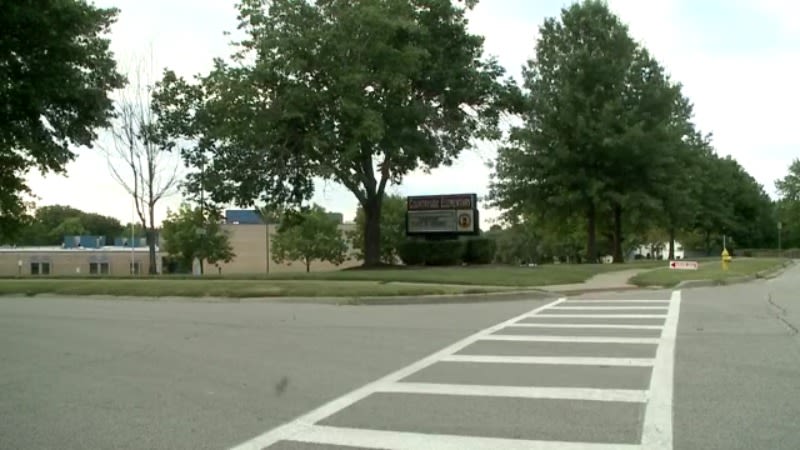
x=442 y=214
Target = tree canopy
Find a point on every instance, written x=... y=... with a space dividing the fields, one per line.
x=56 y=73
x=608 y=142
x=360 y=93
x=312 y=234
x=191 y=233
x=50 y=224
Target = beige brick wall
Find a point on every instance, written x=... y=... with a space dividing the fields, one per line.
x=73 y=262
x=249 y=243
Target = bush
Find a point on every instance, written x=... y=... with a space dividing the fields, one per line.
x=445 y=253
x=480 y=251
x=415 y=252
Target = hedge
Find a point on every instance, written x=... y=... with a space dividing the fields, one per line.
x=416 y=252
x=480 y=251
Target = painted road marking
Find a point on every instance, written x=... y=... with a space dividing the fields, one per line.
x=585 y=325
x=657 y=429
x=601 y=395
x=302 y=423
x=616 y=301
x=609 y=308
x=600 y=316
x=554 y=360
x=582 y=339
x=396 y=440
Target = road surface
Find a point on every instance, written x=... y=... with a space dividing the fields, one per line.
x=713 y=368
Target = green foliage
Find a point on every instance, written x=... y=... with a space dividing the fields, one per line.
x=415 y=252
x=361 y=93
x=191 y=233
x=50 y=224
x=445 y=252
x=608 y=145
x=393 y=229
x=57 y=71
x=309 y=235
x=480 y=250
x=788 y=207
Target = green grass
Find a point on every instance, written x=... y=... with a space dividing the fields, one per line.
x=224 y=288
x=709 y=270
x=473 y=276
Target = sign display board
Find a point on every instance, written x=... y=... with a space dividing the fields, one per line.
x=442 y=214
x=683 y=265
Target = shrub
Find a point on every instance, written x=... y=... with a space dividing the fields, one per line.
x=480 y=251
x=445 y=253
x=413 y=252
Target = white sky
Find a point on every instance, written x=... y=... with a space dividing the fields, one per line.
x=739 y=62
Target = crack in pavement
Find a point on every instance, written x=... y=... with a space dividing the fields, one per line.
x=793 y=330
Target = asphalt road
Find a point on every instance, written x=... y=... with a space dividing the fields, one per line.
x=78 y=374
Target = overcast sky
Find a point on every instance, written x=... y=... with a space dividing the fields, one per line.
x=739 y=62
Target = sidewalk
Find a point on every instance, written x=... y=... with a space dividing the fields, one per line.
x=604 y=281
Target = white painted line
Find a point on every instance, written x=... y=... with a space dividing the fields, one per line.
x=304 y=422
x=600 y=316
x=585 y=339
x=616 y=301
x=657 y=429
x=553 y=360
x=603 y=395
x=610 y=308
x=396 y=440
x=586 y=326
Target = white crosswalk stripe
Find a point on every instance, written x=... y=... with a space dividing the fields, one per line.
x=655 y=397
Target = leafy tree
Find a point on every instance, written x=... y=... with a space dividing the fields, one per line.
x=393 y=229
x=307 y=236
x=50 y=224
x=360 y=93
x=56 y=72
x=191 y=233
x=556 y=162
x=788 y=207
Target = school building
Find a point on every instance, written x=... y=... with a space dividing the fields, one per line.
x=249 y=236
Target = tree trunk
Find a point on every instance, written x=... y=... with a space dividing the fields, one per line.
x=591 y=234
x=708 y=243
x=672 y=243
x=619 y=258
x=308 y=265
x=151 y=242
x=372 y=231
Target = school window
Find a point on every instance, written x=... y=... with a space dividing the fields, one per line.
x=40 y=268
x=99 y=268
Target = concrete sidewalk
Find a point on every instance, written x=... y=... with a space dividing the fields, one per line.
x=605 y=281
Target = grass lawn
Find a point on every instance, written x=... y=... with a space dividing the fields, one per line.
x=225 y=288
x=478 y=276
x=709 y=270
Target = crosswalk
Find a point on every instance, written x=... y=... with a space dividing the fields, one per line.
x=592 y=374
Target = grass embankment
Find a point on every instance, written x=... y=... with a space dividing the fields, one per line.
x=708 y=270
x=345 y=283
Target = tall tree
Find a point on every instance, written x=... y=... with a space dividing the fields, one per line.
x=139 y=159
x=360 y=93
x=557 y=161
x=56 y=72
x=309 y=235
x=788 y=207
x=393 y=229
x=191 y=233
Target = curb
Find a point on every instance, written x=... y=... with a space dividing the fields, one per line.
x=764 y=274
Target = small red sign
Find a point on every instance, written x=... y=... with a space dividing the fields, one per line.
x=684 y=265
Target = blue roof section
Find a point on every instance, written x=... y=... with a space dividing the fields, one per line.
x=243 y=217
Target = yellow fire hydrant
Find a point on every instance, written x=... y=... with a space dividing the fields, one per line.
x=726 y=259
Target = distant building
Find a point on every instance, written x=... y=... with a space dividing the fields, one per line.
x=657 y=250
x=89 y=255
